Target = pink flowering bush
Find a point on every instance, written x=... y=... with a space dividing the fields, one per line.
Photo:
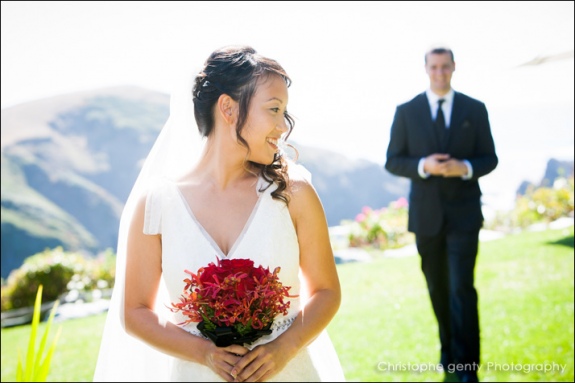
x=384 y=228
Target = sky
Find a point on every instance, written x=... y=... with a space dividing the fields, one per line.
x=351 y=63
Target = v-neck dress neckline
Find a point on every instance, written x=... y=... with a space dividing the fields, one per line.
x=208 y=236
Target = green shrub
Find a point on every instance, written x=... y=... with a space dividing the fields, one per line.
x=544 y=204
x=59 y=272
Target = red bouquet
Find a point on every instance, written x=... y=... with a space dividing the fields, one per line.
x=234 y=301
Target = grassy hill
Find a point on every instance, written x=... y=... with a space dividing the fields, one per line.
x=68 y=163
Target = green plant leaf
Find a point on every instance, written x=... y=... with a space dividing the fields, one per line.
x=45 y=336
x=36 y=369
x=19 y=369
x=44 y=369
x=29 y=368
x=41 y=368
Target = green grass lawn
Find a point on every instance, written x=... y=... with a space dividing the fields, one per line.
x=385 y=329
x=525 y=287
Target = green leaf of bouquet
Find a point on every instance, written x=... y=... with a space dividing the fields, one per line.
x=210 y=326
x=244 y=329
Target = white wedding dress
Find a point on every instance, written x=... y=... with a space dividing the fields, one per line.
x=269 y=239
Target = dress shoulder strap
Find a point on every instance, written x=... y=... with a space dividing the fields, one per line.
x=155 y=198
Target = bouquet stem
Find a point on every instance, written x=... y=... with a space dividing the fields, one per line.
x=224 y=336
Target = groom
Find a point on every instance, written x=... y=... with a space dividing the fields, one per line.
x=442 y=141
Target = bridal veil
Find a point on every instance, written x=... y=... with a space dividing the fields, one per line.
x=176 y=149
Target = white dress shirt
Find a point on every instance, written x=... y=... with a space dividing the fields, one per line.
x=446 y=107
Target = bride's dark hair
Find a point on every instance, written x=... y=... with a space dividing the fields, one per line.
x=236 y=71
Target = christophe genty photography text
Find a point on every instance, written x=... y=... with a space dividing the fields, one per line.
x=526 y=368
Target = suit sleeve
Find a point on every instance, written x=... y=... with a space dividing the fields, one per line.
x=398 y=161
x=485 y=158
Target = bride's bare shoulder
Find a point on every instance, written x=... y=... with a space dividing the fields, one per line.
x=304 y=199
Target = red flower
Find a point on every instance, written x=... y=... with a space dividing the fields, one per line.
x=233 y=293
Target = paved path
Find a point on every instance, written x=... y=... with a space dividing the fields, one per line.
x=81 y=309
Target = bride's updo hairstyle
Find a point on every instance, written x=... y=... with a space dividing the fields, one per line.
x=237 y=71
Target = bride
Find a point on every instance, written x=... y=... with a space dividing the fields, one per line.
x=229 y=193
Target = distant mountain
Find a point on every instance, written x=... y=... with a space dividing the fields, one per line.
x=555 y=169
x=346 y=186
x=68 y=164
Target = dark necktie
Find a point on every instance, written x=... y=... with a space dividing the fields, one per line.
x=440 y=122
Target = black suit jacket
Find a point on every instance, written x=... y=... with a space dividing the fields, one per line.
x=438 y=200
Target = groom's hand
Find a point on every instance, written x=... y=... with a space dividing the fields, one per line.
x=453 y=168
x=433 y=163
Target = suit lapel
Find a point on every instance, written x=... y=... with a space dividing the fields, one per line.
x=457 y=116
x=457 y=111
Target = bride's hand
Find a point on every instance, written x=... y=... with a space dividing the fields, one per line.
x=223 y=359
x=261 y=363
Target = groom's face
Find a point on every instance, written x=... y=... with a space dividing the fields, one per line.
x=439 y=68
